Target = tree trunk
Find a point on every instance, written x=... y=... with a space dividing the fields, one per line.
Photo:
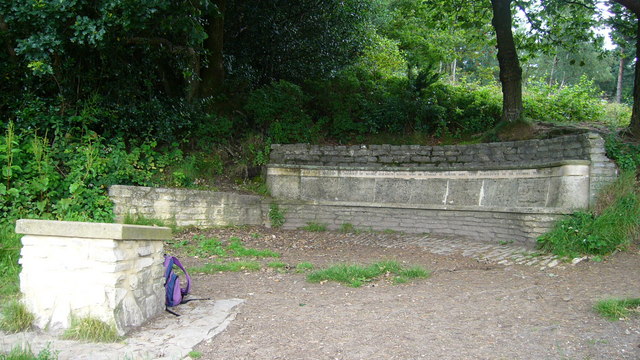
x=454 y=66
x=510 y=71
x=620 y=76
x=553 y=68
x=634 y=126
x=10 y=48
x=212 y=76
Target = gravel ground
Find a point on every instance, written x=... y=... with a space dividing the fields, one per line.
x=467 y=309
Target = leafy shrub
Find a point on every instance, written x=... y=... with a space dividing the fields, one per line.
x=459 y=110
x=626 y=155
x=552 y=103
x=278 y=110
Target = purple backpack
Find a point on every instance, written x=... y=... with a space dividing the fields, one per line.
x=174 y=293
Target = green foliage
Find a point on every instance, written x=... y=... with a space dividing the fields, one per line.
x=315 y=227
x=585 y=233
x=617 y=309
x=25 y=353
x=235 y=246
x=92 y=330
x=194 y=354
x=304 y=266
x=276 y=215
x=9 y=254
x=278 y=265
x=626 y=155
x=356 y=275
x=278 y=110
x=211 y=246
x=14 y=317
x=577 y=103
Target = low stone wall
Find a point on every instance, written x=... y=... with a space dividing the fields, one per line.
x=498 y=192
x=185 y=207
x=492 y=192
x=112 y=272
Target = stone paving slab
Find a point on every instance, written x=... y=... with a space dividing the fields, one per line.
x=502 y=254
x=166 y=338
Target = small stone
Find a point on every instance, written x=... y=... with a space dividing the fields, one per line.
x=553 y=263
x=567 y=298
x=578 y=260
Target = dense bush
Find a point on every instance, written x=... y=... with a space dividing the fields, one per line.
x=66 y=177
x=278 y=110
x=552 y=103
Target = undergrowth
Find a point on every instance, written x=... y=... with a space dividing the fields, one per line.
x=612 y=227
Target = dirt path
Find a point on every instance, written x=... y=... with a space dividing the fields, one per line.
x=466 y=310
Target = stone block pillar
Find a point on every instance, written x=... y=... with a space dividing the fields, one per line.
x=112 y=272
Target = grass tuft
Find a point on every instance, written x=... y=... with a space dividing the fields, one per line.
x=304 y=266
x=357 y=275
x=315 y=227
x=235 y=266
x=91 y=330
x=617 y=309
x=25 y=353
x=14 y=317
x=239 y=250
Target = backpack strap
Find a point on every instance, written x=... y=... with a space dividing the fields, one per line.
x=185 y=290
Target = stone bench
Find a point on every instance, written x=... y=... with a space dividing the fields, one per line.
x=112 y=272
x=512 y=191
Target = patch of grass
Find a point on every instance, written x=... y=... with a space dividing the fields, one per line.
x=208 y=246
x=304 y=266
x=277 y=265
x=195 y=354
x=25 y=353
x=276 y=216
x=357 y=275
x=239 y=250
x=14 y=317
x=616 y=309
x=9 y=254
x=347 y=228
x=92 y=330
x=233 y=266
x=315 y=227
x=616 y=225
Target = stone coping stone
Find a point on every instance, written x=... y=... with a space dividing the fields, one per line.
x=77 y=229
x=497 y=209
x=378 y=166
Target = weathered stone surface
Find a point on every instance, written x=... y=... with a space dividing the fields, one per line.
x=185 y=207
x=107 y=271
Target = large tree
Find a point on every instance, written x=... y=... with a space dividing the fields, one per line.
x=510 y=70
x=634 y=128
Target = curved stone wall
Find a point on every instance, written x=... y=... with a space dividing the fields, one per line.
x=497 y=191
